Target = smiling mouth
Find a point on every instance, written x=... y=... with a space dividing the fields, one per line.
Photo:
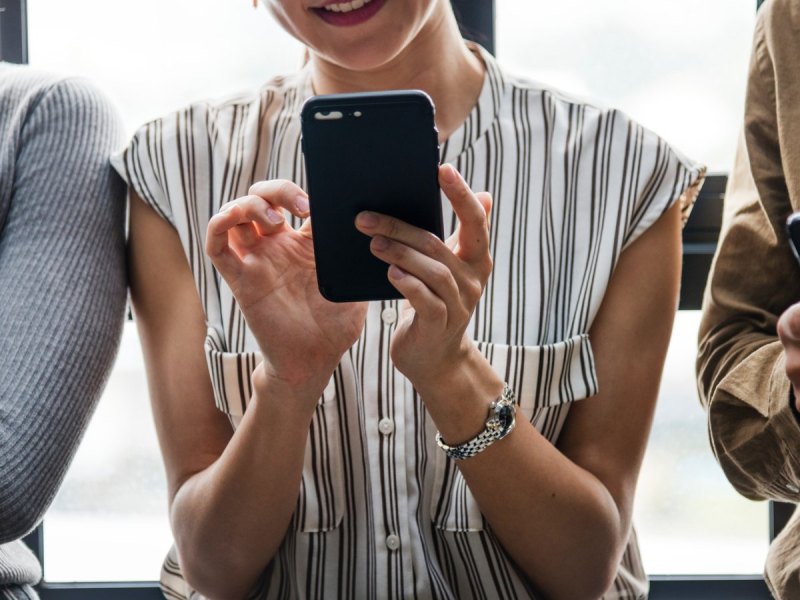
x=348 y=13
x=346 y=7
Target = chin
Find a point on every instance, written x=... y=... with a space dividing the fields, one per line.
x=370 y=45
x=364 y=55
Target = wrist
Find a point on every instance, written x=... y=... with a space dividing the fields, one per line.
x=432 y=374
x=459 y=399
x=499 y=424
x=469 y=370
x=288 y=395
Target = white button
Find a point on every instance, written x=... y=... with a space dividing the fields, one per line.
x=392 y=542
x=386 y=426
x=389 y=315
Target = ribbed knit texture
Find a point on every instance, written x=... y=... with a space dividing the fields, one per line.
x=62 y=290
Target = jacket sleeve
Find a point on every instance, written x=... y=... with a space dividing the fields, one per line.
x=754 y=279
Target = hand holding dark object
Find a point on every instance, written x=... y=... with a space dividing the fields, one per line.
x=789 y=334
x=374 y=152
x=269 y=267
x=789 y=322
x=442 y=281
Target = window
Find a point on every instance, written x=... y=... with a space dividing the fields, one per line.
x=678 y=67
x=167 y=55
x=689 y=519
x=109 y=521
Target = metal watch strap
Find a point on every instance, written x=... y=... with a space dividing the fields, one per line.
x=499 y=424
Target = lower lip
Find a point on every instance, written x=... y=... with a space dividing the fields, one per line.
x=354 y=17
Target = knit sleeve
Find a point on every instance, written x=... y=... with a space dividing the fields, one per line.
x=62 y=291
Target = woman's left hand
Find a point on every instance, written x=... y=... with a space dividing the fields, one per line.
x=441 y=281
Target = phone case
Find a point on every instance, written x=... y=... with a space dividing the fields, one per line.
x=373 y=151
x=793 y=229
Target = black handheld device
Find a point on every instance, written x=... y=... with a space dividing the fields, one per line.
x=376 y=151
x=793 y=229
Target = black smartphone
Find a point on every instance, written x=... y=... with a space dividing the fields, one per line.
x=376 y=151
x=793 y=228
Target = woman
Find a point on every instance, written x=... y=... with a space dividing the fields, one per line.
x=330 y=482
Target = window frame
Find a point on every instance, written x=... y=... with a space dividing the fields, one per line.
x=477 y=20
x=14 y=31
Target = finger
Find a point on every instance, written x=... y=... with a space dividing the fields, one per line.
x=305 y=228
x=428 y=306
x=224 y=259
x=425 y=242
x=473 y=238
x=789 y=333
x=452 y=241
x=469 y=278
x=283 y=193
x=486 y=200
x=267 y=218
x=243 y=236
x=792 y=364
x=432 y=273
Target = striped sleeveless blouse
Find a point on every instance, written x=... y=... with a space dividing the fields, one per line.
x=382 y=512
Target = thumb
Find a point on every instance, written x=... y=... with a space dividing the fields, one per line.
x=789 y=326
x=485 y=198
x=305 y=228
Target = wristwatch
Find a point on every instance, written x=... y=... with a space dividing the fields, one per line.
x=499 y=424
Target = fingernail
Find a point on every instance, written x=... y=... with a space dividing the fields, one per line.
x=274 y=216
x=396 y=272
x=449 y=174
x=380 y=243
x=367 y=219
x=302 y=204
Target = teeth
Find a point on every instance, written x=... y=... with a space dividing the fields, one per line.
x=346 y=7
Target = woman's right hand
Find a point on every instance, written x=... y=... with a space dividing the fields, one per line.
x=270 y=269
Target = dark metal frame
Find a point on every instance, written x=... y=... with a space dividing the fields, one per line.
x=477 y=21
x=14 y=31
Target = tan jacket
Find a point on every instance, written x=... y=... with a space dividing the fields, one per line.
x=754 y=278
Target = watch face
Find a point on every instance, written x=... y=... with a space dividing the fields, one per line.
x=505 y=414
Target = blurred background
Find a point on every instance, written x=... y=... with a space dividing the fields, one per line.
x=677 y=66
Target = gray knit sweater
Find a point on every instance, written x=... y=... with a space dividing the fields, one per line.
x=62 y=290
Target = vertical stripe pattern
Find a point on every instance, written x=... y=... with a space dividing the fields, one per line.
x=382 y=513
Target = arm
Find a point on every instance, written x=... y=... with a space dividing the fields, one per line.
x=742 y=368
x=231 y=495
x=579 y=496
x=62 y=294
